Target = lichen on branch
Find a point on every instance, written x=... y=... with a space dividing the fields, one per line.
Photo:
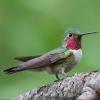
x=83 y=86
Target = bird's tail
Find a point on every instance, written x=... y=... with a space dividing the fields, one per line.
x=13 y=70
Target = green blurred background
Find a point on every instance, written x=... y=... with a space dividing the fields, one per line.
x=30 y=27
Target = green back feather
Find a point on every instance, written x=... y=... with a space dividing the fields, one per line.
x=67 y=52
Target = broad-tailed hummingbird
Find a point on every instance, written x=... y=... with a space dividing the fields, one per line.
x=57 y=61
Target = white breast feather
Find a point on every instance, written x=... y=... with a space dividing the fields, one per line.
x=77 y=54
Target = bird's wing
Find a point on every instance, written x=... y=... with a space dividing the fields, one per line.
x=26 y=58
x=41 y=62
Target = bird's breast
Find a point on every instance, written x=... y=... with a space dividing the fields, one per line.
x=77 y=54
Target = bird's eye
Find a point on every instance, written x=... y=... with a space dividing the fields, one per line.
x=70 y=34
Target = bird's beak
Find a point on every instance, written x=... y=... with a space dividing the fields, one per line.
x=88 y=33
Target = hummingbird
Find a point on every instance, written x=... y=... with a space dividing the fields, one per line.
x=58 y=61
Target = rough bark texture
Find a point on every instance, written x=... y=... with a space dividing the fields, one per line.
x=83 y=86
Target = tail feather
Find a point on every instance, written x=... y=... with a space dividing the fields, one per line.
x=13 y=70
x=26 y=58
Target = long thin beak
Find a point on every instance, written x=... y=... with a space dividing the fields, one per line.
x=88 y=33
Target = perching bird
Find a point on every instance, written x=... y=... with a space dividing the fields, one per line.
x=57 y=61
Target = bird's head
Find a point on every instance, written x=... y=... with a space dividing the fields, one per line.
x=72 y=39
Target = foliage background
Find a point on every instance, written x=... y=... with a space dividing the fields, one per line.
x=30 y=27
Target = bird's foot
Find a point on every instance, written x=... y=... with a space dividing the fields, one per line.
x=57 y=78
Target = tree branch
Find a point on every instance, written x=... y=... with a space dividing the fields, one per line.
x=83 y=86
